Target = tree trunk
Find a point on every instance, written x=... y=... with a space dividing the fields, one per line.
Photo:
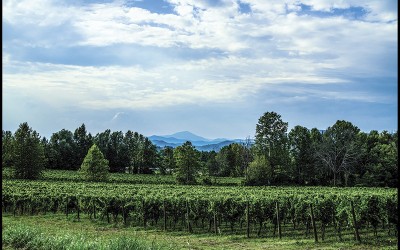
x=334 y=178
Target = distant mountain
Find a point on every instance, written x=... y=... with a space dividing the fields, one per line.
x=186 y=135
x=199 y=142
x=163 y=144
x=216 y=147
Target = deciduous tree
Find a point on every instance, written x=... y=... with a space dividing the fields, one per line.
x=187 y=160
x=271 y=141
x=338 y=149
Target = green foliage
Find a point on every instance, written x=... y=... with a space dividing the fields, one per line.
x=338 y=150
x=302 y=155
x=187 y=160
x=339 y=156
x=259 y=172
x=7 y=141
x=231 y=160
x=131 y=152
x=271 y=141
x=145 y=203
x=75 y=176
x=83 y=142
x=94 y=167
x=62 y=151
x=28 y=153
x=167 y=164
x=211 y=164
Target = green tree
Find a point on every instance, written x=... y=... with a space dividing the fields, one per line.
x=259 y=171
x=117 y=153
x=149 y=157
x=7 y=142
x=28 y=153
x=131 y=147
x=83 y=142
x=212 y=164
x=187 y=160
x=321 y=175
x=167 y=160
x=95 y=167
x=301 y=154
x=227 y=159
x=115 y=149
x=62 y=151
x=271 y=141
x=47 y=149
x=379 y=160
x=338 y=150
x=232 y=160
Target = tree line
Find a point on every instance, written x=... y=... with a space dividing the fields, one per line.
x=342 y=155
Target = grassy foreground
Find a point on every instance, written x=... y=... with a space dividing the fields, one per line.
x=61 y=233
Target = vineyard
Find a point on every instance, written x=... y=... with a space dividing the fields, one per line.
x=68 y=175
x=251 y=211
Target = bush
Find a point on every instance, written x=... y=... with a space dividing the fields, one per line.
x=259 y=172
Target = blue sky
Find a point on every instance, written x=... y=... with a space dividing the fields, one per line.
x=210 y=67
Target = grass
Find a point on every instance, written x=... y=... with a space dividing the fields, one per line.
x=56 y=228
x=20 y=235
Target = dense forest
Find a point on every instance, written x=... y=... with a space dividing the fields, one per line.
x=341 y=155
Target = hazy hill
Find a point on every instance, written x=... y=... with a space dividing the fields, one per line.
x=201 y=143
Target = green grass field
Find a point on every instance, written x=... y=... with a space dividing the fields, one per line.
x=86 y=233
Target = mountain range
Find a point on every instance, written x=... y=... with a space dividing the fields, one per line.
x=200 y=143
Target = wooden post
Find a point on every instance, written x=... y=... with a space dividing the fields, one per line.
x=165 y=216
x=124 y=215
x=247 y=220
x=187 y=217
x=94 y=210
x=144 y=214
x=215 y=222
x=278 y=221
x=355 y=222
x=77 y=206
x=66 y=208
x=313 y=223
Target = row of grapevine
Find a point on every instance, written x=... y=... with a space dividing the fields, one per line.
x=68 y=175
x=195 y=208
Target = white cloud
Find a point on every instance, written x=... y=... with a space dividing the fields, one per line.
x=38 y=12
x=198 y=25
x=226 y=80
x=257 y=51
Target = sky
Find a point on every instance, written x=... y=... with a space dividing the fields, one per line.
x=211 y=67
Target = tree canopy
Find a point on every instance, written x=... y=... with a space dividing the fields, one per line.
x=95 y=167
x=28 y=153
x=187 y=160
